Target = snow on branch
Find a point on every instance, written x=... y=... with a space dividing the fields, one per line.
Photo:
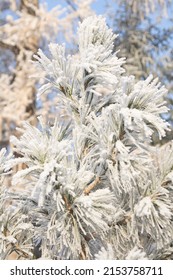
x=95 y=186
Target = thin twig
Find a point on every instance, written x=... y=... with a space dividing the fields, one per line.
x=92 y=186
x=68 y=206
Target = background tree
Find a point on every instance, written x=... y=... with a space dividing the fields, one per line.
x=145 y=39
x=26 y=26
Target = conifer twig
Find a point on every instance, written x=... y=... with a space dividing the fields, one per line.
x=91 y=186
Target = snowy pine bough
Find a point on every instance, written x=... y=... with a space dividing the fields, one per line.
x=93 y=185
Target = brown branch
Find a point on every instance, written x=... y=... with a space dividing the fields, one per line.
x=82 y=254
x=67 y=204
x=71 y=4
x=28 y=6
x=12 y=48
x=91 y=186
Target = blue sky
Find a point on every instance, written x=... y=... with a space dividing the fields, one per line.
x=98 y=5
